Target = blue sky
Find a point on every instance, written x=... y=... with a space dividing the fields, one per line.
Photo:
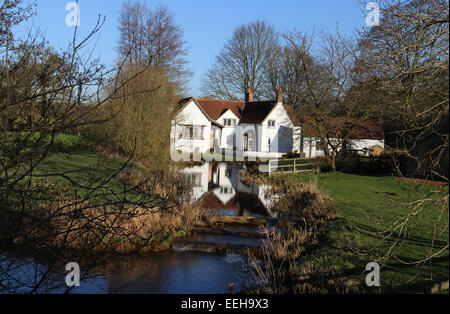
x=207 y=24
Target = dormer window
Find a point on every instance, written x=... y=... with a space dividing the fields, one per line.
x=229 y=122
x=271 y=123
x=226 y=190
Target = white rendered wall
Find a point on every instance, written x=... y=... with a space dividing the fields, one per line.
x=227 y=142
x=191 y=115
x=361 y=145
x=281 y=136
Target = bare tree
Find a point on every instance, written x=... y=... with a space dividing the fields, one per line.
x=320 y=83
x=12 y=12
x=406 y=59
x=242 y=63
x=409 y=53
x=285 y=71
x=44 y=93
x=152 y=38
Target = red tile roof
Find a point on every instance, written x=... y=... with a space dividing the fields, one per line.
x=214 y=108
x=211 y=202
x=292 y=115
x=365 y=129
x=368 y=129
x=246 y=112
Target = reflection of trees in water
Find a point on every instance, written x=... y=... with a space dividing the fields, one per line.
x=30 y=271
x=43 y=271
x=169 y=272
x=138 y=273
x=24 y=272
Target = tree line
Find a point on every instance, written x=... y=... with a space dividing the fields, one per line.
x=396 y=73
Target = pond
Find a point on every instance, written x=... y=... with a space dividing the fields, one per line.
x=168 y=272
x=184 y=269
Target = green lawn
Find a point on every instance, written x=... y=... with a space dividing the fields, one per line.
x=85 y=168
x=367 y=205
x=75 y=162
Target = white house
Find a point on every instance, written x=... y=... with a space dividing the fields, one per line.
x=263 y=128
x=251 y=128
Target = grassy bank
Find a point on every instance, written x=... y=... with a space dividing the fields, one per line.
x=89 y=199
x=368 y=206
x=365 y=207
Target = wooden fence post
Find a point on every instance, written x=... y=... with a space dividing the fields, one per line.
x=294 y=166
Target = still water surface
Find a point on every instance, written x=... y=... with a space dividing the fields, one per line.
x=220 y=190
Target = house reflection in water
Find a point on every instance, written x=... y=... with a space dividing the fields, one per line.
x=219 y=188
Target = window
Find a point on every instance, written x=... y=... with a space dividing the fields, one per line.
x=198 y=133
x=268 y=144
x=226 y=190
x=191 y=132
x=229 y=122
x=249 y=142
x=271 y=123
x=195 y=179
x=186 y=131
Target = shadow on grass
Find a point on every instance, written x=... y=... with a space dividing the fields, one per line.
x=379 y=234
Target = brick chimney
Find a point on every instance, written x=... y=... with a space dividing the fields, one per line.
x=280 y=95
x=249 y=96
